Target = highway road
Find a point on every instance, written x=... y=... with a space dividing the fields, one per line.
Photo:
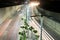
x=10 y=27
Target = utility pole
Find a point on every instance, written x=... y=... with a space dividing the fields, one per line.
x=41 y=21
x=41 y=26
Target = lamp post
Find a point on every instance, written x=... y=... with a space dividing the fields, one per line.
x=41 y=21
x=41 y=26
x=34 y=4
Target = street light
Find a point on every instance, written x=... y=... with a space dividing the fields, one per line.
x=34 y=4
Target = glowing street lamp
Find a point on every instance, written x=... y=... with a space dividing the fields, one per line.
x=33 y=4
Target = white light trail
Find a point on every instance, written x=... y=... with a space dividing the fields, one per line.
x=4 y=26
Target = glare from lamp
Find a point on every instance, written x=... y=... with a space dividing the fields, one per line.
x=34 y=4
